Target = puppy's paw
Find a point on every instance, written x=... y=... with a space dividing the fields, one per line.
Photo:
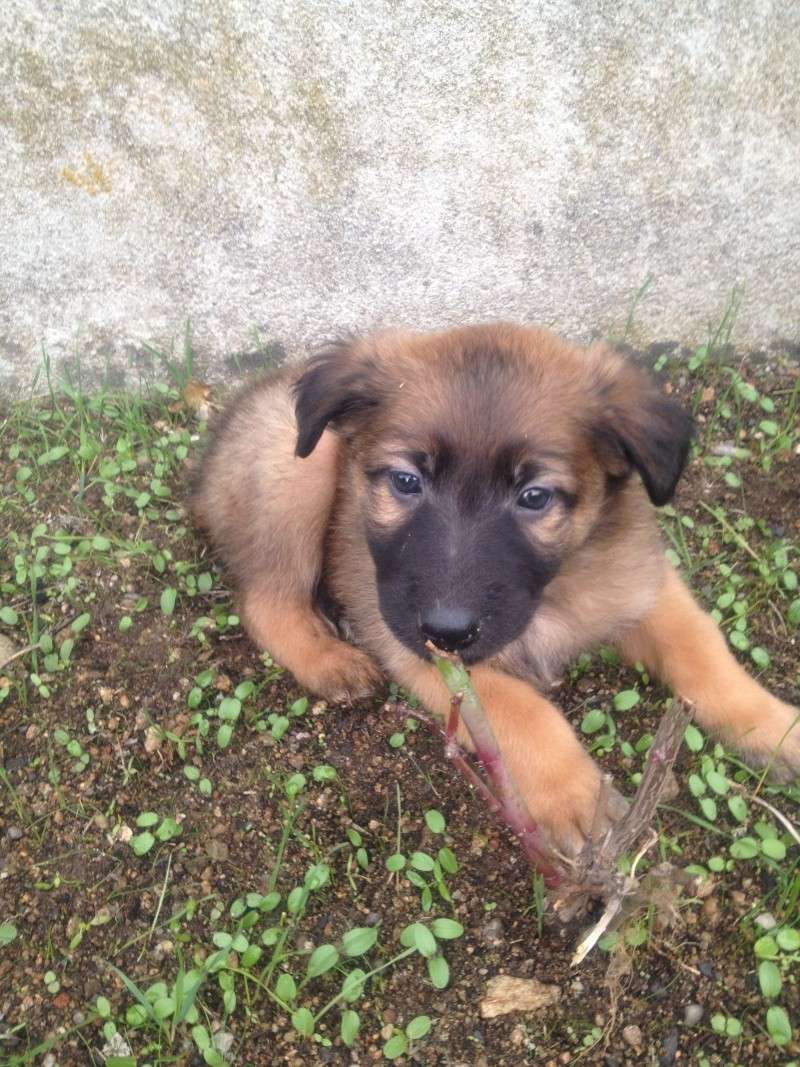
x=772 y=741
x=575 y=806
x=339 y=672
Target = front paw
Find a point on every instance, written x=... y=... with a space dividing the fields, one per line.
x=574 y=806
x=772 y=741
x=340 y=673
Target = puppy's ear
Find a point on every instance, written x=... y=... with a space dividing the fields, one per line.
x=640 y=428
x=340 y=384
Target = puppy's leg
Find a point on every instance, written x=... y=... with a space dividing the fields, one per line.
x=298 y=639
x=558 y=781
x=268 y=513
x=679 y=642
x=277 y=595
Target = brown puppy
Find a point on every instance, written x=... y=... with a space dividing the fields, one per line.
x=489 y=488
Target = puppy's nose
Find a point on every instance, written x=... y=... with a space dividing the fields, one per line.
x=450 y=629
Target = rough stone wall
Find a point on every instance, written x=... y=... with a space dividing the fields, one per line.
x=276 y=172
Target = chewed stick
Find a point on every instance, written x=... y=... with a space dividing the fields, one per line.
x=594 y=874
x=500 y=791
x=612 y=909
x=660 y=760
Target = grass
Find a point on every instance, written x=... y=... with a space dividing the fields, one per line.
x=200 y=861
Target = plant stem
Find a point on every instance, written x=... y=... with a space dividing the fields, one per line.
x=364 y=980
x=501 y=792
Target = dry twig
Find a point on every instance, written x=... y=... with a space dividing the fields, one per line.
x=36 y=645
x=594 y=873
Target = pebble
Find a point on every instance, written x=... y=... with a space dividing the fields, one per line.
x=692 y=1014
x=223 y=1041
x=632 y=1035
x=505 y=994
x=492 y=933
x=7 y=647
x=14 y=833
x=711 y=910
x=217 y=850
x=765 y=920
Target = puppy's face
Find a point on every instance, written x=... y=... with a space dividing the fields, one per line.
x=484 y=458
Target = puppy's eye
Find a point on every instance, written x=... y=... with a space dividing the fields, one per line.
x=535 y=498
x=405 y=483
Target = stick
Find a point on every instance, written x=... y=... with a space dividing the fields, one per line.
x=589 y=940
x=501 y=789
x=661 y=758
x=594 y=874
x=598 y=875
x=783 y=819
x=20 y=652
x=37 y=645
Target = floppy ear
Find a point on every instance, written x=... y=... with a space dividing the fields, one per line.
x=337 y=386
x=641 y=428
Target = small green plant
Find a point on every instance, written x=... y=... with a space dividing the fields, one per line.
x=153 y=828
x=398 y=738
x=538 y=903
x=778 y=953
x=401 y=1043
x=426 y=872
x=279 y=723
x=204 y=785
x=590 y=1039
x=358 y=852
x=73 y=748
x=164 y=1007
x=727 y=1025
x=8 y=933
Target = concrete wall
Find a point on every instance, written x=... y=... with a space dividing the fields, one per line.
x=276 y=171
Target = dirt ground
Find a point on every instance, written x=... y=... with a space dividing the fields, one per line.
x=126 y=698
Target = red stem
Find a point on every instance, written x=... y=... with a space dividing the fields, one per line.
x=500 y=794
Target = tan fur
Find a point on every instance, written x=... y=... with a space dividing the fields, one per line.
x=254 y=462
x=679 y=642
x=282 y=523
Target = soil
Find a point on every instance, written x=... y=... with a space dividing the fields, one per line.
x=62 y=866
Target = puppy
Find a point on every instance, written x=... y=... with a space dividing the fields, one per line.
x=490 y=489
